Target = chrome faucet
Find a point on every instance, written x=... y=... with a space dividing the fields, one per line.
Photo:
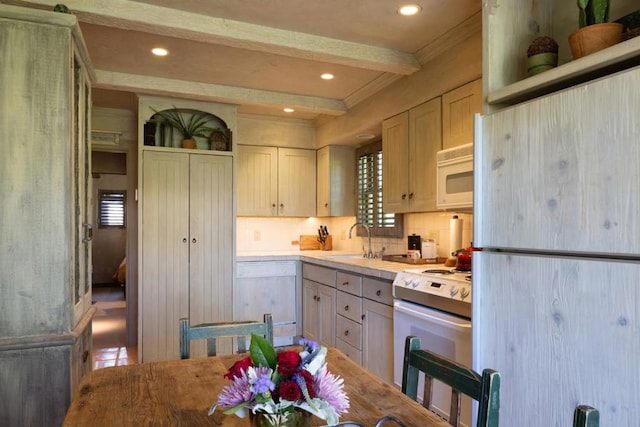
x=366 y=227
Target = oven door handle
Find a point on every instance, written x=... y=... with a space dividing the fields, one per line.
x=462 y=324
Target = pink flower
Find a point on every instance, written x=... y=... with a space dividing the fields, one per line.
x=330 y=388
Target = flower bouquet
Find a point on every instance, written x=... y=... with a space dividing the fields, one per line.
x=284 y=387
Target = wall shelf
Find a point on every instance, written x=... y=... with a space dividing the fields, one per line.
x=608 y=61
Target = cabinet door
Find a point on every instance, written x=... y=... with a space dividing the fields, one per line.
x=296 y=182
x=164 y=287
x=210 y=238
x=425 y=139
x=257 y=191
x=336 y=181
x=327 y=315
x=395 y=146
x=310 y=310
x=377 y=353
x=458 y=108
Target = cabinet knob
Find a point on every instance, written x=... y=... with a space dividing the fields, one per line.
x=362 y=317
x=410 y=195
x=404 y=196
x=184 y=240
x=281 y=207
x=346 y=307
x=326 y=205
x=318 y=299
x=194 y=240
x=85 y=355
x=378 y=292
x=315 y=298
x=346 y=333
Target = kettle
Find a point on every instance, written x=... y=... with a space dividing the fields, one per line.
x=464 y=258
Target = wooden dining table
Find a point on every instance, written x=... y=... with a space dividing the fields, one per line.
x=180 y=392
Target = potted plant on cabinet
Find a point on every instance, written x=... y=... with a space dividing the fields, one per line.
x=595 y=32
x=542 y=55
x=194 y=126
x=220 y=139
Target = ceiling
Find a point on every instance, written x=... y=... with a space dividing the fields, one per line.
x=262 y=55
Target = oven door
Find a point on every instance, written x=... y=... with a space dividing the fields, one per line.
x=440 y=332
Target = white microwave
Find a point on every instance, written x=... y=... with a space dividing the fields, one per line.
x=455 y=177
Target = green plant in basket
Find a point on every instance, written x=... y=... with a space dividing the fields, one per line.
x=196 y=125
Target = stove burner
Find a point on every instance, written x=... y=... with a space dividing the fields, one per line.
x=439 y=271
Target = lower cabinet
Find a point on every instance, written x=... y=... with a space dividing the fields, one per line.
x=270 y=287
x=319 y=304
x=363 y=313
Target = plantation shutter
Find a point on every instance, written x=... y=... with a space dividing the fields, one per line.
x=111 y=208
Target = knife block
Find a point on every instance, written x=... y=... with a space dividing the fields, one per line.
x=328 y=244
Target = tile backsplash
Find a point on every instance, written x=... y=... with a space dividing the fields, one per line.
x=267 y=234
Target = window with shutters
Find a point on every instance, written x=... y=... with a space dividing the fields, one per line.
x=369 y=181
x=111 y=208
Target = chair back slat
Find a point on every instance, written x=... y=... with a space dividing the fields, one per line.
x=211 y=331
x=484 y=388
x=586 y=416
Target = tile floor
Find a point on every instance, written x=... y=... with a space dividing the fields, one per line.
x=109 y=329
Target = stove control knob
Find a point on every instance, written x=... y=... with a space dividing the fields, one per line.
x=415 y=282
x=464 y=293
x=407 y=281
x=453 y=291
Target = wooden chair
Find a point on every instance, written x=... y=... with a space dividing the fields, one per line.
x=211 y=331
x=586 y=416
x=484 y=388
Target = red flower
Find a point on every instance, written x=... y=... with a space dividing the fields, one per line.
x=309 y=381
x=288 y=362
x=240 y=365
x=289 y=390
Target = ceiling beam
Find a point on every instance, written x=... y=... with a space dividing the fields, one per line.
x=216 y=93
x=136 y=16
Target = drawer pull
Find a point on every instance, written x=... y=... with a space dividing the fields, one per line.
x=378 y=292
x=346 y=308
x=85 y=355
x=345 y=283
x=346 y=333
x=362 y=317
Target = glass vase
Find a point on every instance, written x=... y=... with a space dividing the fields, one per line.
x=290 y=419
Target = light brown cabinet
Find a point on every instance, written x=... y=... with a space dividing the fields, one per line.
x=276 y=181
x=410 y=142
x=319 y=304
x=458 y=109
x=336 y=181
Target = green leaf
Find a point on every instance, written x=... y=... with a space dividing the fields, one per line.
x=262 y=352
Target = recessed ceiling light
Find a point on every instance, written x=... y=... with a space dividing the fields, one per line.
x=326 y=76
x=159 y=51
x=409 y=9
x=365 y=136
x=288 y=110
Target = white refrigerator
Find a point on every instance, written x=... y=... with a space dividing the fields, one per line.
x=556 y=289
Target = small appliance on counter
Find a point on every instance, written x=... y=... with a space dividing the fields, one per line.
x=414 y=242
x=429 y=251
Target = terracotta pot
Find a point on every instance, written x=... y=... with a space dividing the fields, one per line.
x=593 y=38
x=541 y=62
x=297 y=418
x=189 y=143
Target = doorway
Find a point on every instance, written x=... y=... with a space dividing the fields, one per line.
x=109 y=260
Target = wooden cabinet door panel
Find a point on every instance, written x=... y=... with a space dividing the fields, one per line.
x=377 y=354
x=395 y=136
x=458 y=108
x=257 y=191
x=310 y=310
x=296 y=182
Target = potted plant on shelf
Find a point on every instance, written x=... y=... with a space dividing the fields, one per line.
x=595 y=32
x=219 y=139
x=194 y=126
x=542 y=55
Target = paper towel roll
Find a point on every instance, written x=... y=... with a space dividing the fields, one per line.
x=455 y=233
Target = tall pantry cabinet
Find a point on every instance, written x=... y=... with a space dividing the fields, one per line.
x=45 y=263
x=187 y=231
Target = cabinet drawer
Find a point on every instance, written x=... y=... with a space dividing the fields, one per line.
x=349 y=331
x=377 y=290
x=323 y=275
x=350 y=351
x=265 y=269
x=349 y=306
x=349 y=283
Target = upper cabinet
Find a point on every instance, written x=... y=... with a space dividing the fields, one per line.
x=276 y=181
x=336 y=181
x=510 y=27
x=410 y=142
x=458 y=108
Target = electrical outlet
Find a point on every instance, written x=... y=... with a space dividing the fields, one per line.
x=256 y=235
x=343 y=235
x=433 y=235
x=295 y=242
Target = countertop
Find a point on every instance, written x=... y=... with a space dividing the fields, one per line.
x=347 y=261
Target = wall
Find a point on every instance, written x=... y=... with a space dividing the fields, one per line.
x=276 y=234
